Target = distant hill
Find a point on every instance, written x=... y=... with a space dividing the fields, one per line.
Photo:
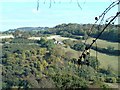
x=32 y=28
x=29 y=29
x=74 y=30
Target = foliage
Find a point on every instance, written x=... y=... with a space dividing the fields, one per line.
x=78 y=47
x=110 y=80
x=50 y=44
x=87 y=72
x=94 y=63
x=68 y=81
x=42 y=42
x=72 y=30
x=42 y=64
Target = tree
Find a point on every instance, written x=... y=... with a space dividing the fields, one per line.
x=50 y=44
x=41 y=67
x=51 y=71
x=33 y=52
x=44 y=63
x=87 y=72
x=110 y=80
x=25 y=35
x=110 y=70
x=78 y=46
x=42 y=42
x=42 y=51
x=33 y=82
x=27 y=53
x=23 y=56
x=58 y=51
x=17 y=33
x=68 y=42
x=94 y=62
x=46 y=83
x=85 y=36
x=69 y=81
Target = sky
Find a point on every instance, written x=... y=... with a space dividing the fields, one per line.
x=23 y=13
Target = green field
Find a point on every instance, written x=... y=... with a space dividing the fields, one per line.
x=106 y=60
x=103 y=43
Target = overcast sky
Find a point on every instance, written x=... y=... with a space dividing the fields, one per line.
x=23 y=13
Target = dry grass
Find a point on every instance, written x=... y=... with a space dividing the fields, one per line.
x=106 y=60
x=103 y=43
x=58 y=37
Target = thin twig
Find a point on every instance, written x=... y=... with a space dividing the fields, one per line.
x=102 y=16
x=94 y=41
x=79 y=5
x=50 y=4
x=37 y=5
x=44 y=1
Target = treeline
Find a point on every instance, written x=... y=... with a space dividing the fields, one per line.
x=77 y=30
x=111 y=35
x=73 y=30
x=18 y=40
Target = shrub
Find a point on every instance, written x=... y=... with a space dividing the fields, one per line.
x=111 y=80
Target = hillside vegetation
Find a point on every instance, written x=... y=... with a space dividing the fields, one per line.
x=52 y=61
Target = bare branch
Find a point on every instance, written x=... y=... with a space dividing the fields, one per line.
x=59 y=2
x=44 y=1
x=79 y=5
x=84 y=2
x=50 y=4
x=53 y=1
x=37 y=5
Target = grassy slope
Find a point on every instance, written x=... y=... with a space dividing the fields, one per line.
x=103 y=43
x=104 y=59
